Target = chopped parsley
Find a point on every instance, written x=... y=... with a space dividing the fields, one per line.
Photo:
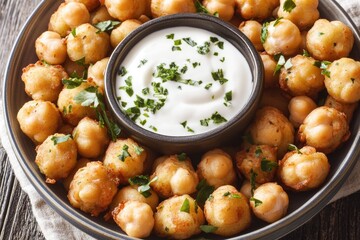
x=142 y=63
x=128 y=88
x=264 y=32
x=181 y=157
x=204 y=191
x=280 y=62
x=189 y=41
x=228 y=98
x=60 y=139
x=292 y=147
x=267 y=165
x=184 y=124
x=72 y=82
x=122 y=71
x=185 y=207
x=204 y=49
x=256 y=201
x=208 y=86
x=138 y=150
x=144 y=184
x=288 y=6
x=73 y=32
x=208 y=228
x=231 y=195
x=106 y=26
x=170 y=36
x=323 y=65
x=217 y=118
x=219 y=76
x=253 y=176
x=124 y=153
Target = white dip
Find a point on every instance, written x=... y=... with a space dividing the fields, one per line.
x=183 y=81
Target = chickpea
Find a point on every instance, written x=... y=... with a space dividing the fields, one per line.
x=282 y=37
x=273 y=202
x=228 y=210
x=131 y=193
x=271 y=78
x=56 y=157
x=92 y=188
x=72 y=111
x=216 y=167
x=260 y=160
x=347 y=108
x=90 y=4
x=275 y=97
x=302 y=77
x=304 y=169
x=173 y=220
x=91 y=138
x=87 y=44
x=225 y=8
x=324 y=129
x=271 y=127
x=79 y=164
x=175 y=176
x=43 y=81
x=167 y=7
x=126 y=9
x=124 y=29
x=329 y=40
x=97 y=71
x=252 y=29
x=343 y=81
x=256 y=9
x=51 y=48
x=303 y=15
x=68 y=16
x=100 y=15
x=135 y=218
x=38 y=120
x=299 y=108
x=125 y=158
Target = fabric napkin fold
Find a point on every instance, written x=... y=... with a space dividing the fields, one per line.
x=54 y=226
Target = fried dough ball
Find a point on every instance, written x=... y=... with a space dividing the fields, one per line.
x=216 y=167
x=66 y=129
x=256 y=9
x=178 y=217
x=260 y=160
x=270 y=78
x=43 y=81
x=51 y=48
x=131 y=193
x=271 y=127
x=252 y=29
x=92 y=188
x=100 y=15
x=304 y=14
x=56 y=157
x=325 y=129
x=97 y=71
x=79 y=164
x=125 y=158
x=74 y=68
x=228 y=210
x=88 y=44
x=224 y=8
x=126 y=9
x=343 y=81
x=39 y=119
x=273 y=204
x=275 y=97
x=124 y=29
x=72 y=111
x=347 y=108
x=90 y=4
x=299 y=108
x=68 y=16
x=283 y=37
x=135 y=218
x=167 y=7
x=329 y=40
x=91 y=138
x=304 y=169
x=175 y=176
x=302 y=78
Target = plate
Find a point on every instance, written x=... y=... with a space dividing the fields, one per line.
x=303 y=206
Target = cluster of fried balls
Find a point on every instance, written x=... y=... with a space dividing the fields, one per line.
x=311 y=90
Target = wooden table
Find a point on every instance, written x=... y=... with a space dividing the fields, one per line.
x=339 y=220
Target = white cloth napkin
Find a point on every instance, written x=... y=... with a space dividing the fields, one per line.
x=54 y=226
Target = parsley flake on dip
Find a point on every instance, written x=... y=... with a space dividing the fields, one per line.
x=182 y=81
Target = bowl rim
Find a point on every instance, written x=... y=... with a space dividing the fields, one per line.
x=290 y=222
x=188 y=20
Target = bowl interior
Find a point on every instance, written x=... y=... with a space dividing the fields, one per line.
x=196 y=142
x=302 y=205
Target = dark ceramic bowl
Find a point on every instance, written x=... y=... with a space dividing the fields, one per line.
x=197 y=142
x=303 y=206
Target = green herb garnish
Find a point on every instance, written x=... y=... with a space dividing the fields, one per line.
x=289 y=5
x=256 y=201
x=124 y=153
x=60 y=139
x=106 y=26
x=185 y=207
x=208 y=228
x=267 y=165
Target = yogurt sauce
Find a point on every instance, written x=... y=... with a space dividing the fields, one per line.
x=182 y=81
